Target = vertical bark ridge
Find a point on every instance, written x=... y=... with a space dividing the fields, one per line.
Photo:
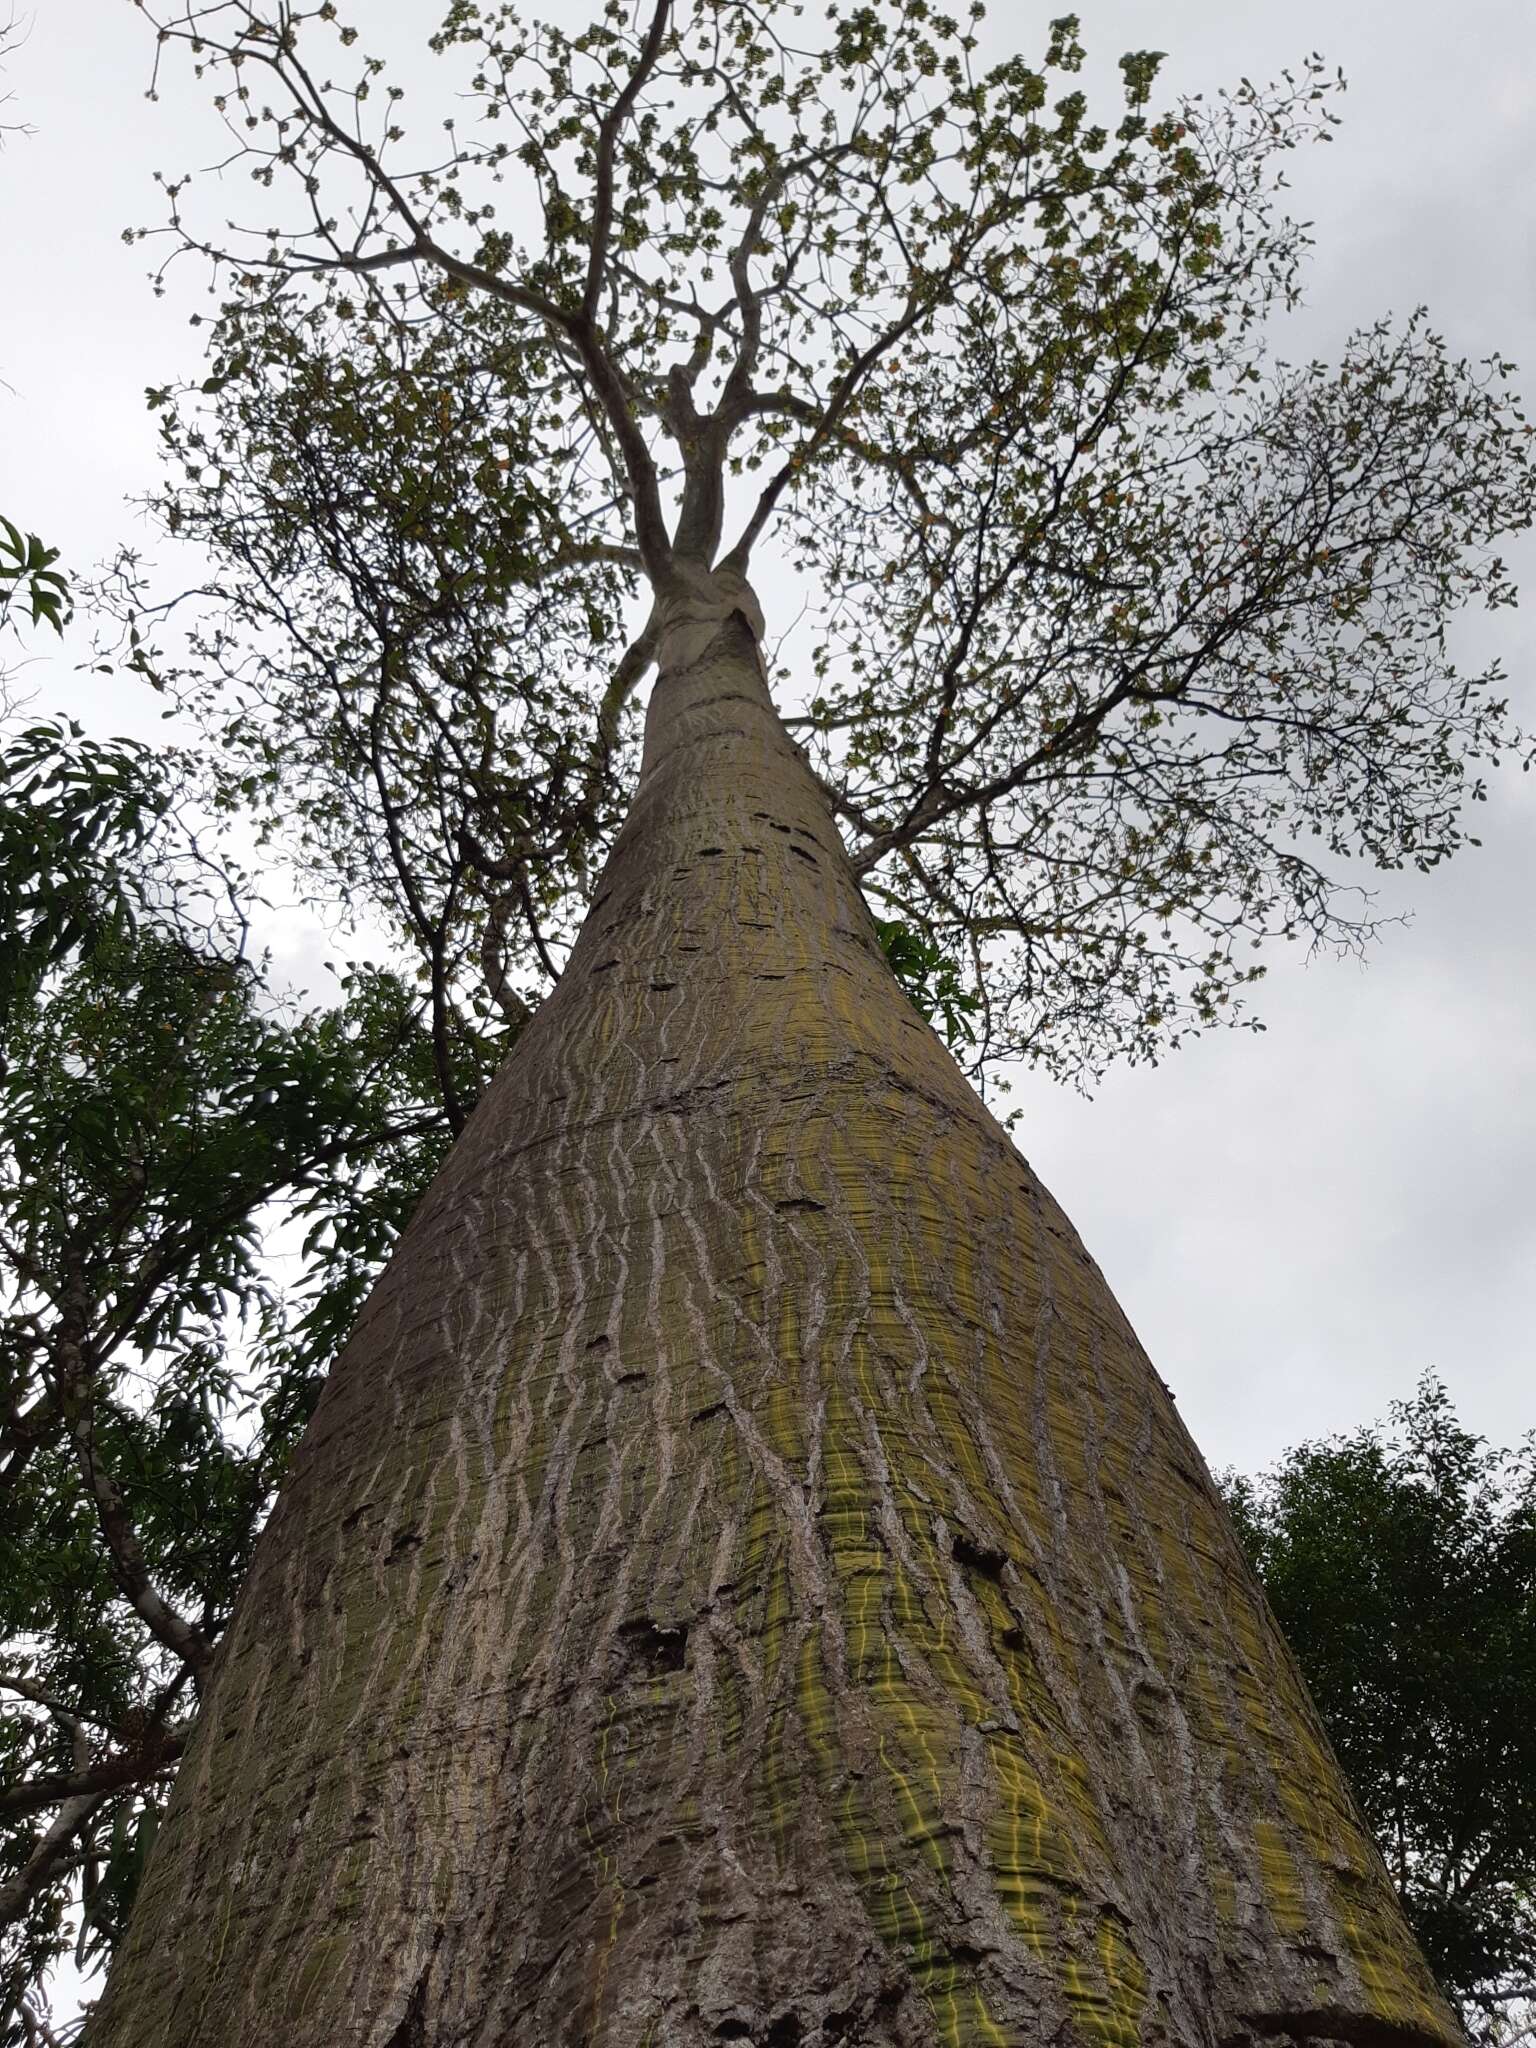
x=744 y=1581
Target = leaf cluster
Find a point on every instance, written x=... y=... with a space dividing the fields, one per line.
x=28 y=578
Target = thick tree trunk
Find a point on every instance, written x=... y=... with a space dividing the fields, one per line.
x=744 y=1581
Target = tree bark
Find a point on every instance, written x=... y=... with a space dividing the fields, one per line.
x=744 y=1580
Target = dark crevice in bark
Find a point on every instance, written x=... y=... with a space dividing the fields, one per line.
x=412 y=2030
x=985 y=1561
x=651 y=1648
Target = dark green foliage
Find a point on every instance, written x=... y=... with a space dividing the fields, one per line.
x=932 y=981
x=28 y=578
x=63 y=798
x=1401 y=1563
x=162 y=1114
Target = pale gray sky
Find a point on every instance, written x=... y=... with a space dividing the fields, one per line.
x=1298 y=1224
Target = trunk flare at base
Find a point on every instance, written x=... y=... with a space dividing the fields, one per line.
x=744 y=1581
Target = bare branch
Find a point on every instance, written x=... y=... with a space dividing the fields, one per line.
x=178 y=1635
x=48 y=1855
x=107 y=1774
x=607 y=141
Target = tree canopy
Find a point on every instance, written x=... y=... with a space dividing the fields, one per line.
x=1120 y=637
x=1401 y=1563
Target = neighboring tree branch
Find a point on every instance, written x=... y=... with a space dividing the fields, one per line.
x=126 y=1555
x=107 y=1774
x=49 y=1855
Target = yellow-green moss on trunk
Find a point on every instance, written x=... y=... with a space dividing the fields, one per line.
x=744 y=1580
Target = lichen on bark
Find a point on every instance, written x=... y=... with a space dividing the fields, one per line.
x=744 y=1580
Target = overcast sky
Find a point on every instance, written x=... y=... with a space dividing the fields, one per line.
x=1298 y=1224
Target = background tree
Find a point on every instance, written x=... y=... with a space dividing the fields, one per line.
x=1111 y=621
x=162 y=1114
x=1401 y=1563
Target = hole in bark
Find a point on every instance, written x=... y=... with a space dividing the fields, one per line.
x=660 y=988
x=706 y=851
x=768 y=977
x=1149 y=1700
x=974 y=1557
x=785 y=2032
x=854 y=2025
x=800 y=854
x=1313 y=1952
x=403 y=1542
x=603 y=966
x=733 y=2030
x=412 y=2030
x=630 y=1379
x=599 y=1342
x=1012 y=1639
x=704 y=1414
x=653 y=1649
x=799 y=1202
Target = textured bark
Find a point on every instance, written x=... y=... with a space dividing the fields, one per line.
x=744 y=1581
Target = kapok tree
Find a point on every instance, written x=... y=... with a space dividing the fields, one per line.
x=743 y=1580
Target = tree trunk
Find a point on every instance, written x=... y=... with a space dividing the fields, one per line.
x=744 y=1581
